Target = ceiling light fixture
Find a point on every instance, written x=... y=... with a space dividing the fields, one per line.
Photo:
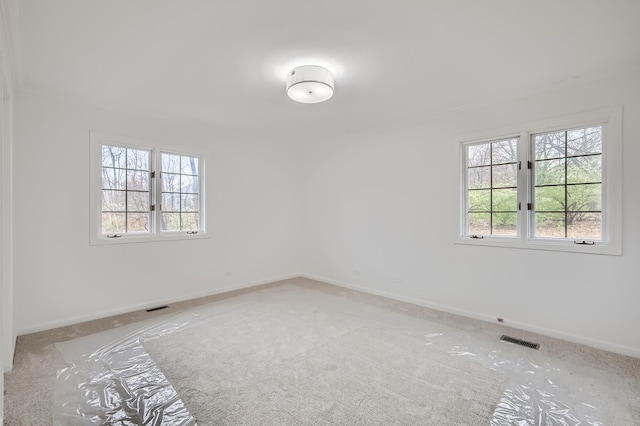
x=310 y=84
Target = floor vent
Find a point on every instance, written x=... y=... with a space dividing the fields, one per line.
x=520 y=342
x=157 y=309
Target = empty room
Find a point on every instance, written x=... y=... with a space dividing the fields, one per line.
x=320 y=213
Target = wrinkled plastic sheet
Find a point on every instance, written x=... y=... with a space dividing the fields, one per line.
x=110 y=378
x=542 y=390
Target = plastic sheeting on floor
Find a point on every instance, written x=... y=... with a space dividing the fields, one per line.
x=111 y=379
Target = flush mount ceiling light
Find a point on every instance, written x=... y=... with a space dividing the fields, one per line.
x=310 y=84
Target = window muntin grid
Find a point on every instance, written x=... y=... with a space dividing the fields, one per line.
x=180 y=192
x=604 y=191
x=126 y=190
x=492 y=188
x=567 y=190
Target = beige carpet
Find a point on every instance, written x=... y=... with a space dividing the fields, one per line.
x=300 y=357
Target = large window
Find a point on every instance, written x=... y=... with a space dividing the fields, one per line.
x=142 y=193
x=553 y=185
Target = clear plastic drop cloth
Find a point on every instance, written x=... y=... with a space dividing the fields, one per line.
x=542 y=390
x=111 y=379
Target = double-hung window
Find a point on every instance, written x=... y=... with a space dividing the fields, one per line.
x=144 y=193
x=553 y=185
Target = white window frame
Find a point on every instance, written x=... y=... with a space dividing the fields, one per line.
x=611 y=244
x=97 y=140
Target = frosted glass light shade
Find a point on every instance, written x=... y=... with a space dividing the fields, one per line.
x=310 y=84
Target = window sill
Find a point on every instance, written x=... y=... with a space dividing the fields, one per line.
x=533 y=244
x=131 y=239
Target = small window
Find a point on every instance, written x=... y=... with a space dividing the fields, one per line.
x=567 y=198
x=553 y=185
x=126 y=190
x=136 y=202
x=492 y=184
x=180 y=193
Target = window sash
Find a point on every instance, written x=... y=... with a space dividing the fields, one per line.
x=491 y=197
x=121 y=197
x=561 y=190
x=185 y=197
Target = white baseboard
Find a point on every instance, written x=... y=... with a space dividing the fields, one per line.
x=158 y=302
x=583 y=340
x=595 y=343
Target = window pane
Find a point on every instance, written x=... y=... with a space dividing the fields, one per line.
x=170 y=182
x=138 y=180
x=504 y=224
x=479 y=155
x=549 y=145
x=584 y=141
x=480 y=200
x=550 y=172
x=549 y=198
x=113 y=223
x=549 y=225
x=137 y=159
x=505 y=199
x=584 y=226
x=113 y=156
x=506 y=175
x=505 y=151
x=190 y=203
x=170 y=163
x=189 y=165
x=113 y=178
x=189 y=184
x=578 y=177
x=113 y=201
x=584 y=169
x=190 y=221
x=170 y=221
x=479 y=177
x=479 y=223
x=492 y=178
x=180 y=192
x=171 y=202
x=584 y=197
x=137 y=222
x=137 y=201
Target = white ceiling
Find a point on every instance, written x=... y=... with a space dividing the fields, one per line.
x=395 y=62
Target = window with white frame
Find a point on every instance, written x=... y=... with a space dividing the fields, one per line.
x=180 y=193
x=144 y=193
x=567 y=184
x=492 y=172
x=553 y=185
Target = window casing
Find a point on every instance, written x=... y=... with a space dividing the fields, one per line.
x=552 y=185
x=144 y=193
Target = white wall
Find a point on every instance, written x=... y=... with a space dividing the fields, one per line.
x=6 y=222
x=253 y=194
x=387 y=205
x=384 y=204
x=7 y=86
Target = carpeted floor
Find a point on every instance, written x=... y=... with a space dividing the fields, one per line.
x=298 y=357
x=304 y=352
